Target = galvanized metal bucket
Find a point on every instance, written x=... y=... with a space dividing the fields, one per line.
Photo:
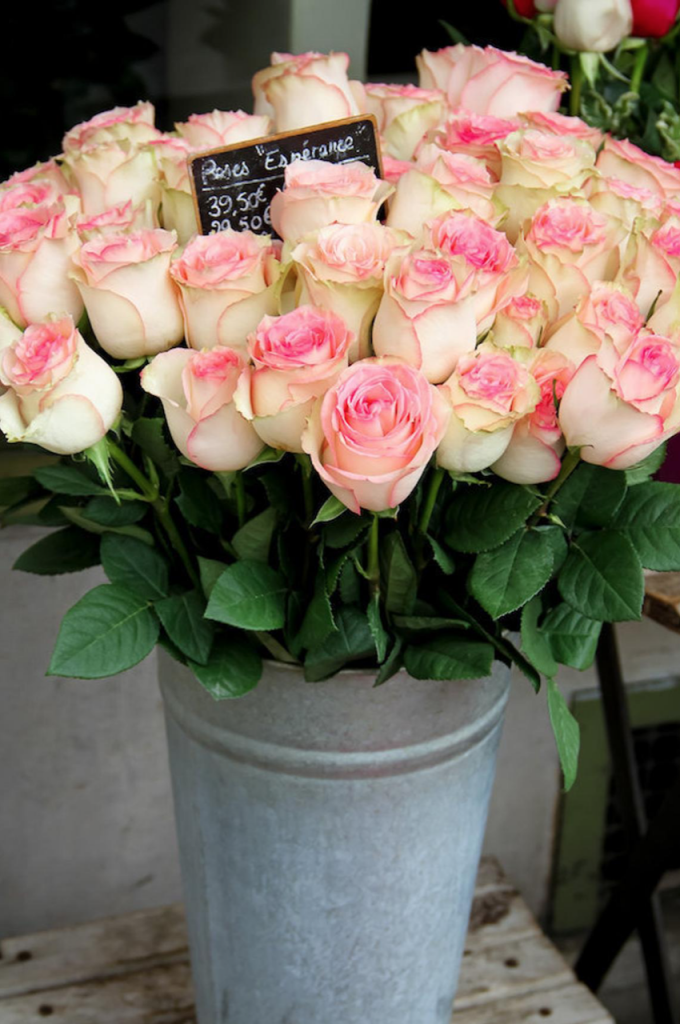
x=329 y=839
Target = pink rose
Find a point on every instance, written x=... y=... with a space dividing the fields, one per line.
x=626 y=202
x=296 y=357
x=651 y=265
x=48 y=170
x=490 y=264
x=30 y=193
x=304 y=89
x=223 y=128
x=490 y=81
x=226 y=285
x=116 y=220
x=563 y=125
x=609 y=311
x=618 y=408
x=197 y=391
x=342 y=268
x=393 y=168
x=36 y=245
x=476 y=135
x=404 y=114
x=126 y=287
x=131 y=124
x=373 y=433
x=170 y=155
x=318 y=193
x=112 y=173
x=521 y=323
x=624 y=161
x=488 y=392
x=427 y=315
x=533 y=455
x=572 y=246
x=59 y=393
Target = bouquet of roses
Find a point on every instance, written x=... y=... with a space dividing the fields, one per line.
x=392 y=443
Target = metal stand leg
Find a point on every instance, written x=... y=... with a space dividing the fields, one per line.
x=607 y=936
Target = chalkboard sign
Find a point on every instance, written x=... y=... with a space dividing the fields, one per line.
x=234 y=186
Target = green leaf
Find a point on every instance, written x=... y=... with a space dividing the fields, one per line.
x=554 y=535
x=642 y=471
x=442 y=557
x=129 y=365
x=149 y=435
x=108 y=512
x=331 y=509
x=232 y=670
x=398 y=578
x=602 y=577
x=350 y=584
x=67 y=480
x=210 y=571
x=392 y=663
x=534 y=643
x=133 y=564
x=76 y=516
x=198 y=503
x=650 y=519
x=506 y=578
x=572 y=637
x=254 y=539
x=449 y=657
x=453 y=32
x=566 y=730
x=591 y=496
x=182 y=619
x=277 y=650
x=380 y=636
x=98 y=455
x=415 y=624
x=318 y=621
x=68 y=550
x=249 y=595
x=481 y=518
x=265 y=456
x=345 y=532
x=109 y=630
x=352 y=642
x=14 y=489
x=334 y=567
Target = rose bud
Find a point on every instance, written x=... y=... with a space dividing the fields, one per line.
x=223 y=128
x=654 y=17
x=296 y=357
x=226 y=284
x=619 y=408
x=46 y=171
x=624 y=201
x=490 y=81
x=625 y=161
x=304 y=89
x=488 y=392
x=318 y=193
x=130 y=124
x=342 y=268
x=651 y=265
x=113 y=173
x=36 y=245
x=171 y=156
x=594 y=25
x=475 y=135
x=373 y=433
x=117 y=220
x=520 y=324
x=427 y=315
x=126 y=287
x=552 y=123
x=197 y=391
x=533 y=455
x=404 y=114
x=609 y=311
x=60 y=394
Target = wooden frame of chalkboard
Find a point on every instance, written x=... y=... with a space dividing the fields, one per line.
x=236 y=191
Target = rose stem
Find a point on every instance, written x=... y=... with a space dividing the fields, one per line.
x=638 y=69
x=571 y=461
x=373 y=566
x=430 y=499
x=576 y=84
x=240 y=499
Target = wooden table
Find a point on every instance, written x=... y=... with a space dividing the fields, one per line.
x=134 y=969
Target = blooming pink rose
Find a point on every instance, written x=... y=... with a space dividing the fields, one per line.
x=30 y=193
x=296 y=357
x=426 y=316
x=608 y=312
x=318 y=193
x=373 y=433
x=170 y=155
x=490 y=81
x=304 y=89
x=476 y=135
x=197 y=391
x=492 y=270
x=36 y=244
x=342 y=268
x=112 y=173
x=521 y=323
x=47 y=170
x=563 y=125
x=226 y=284
x=404 y=114
x=393 y=168
x=488 y=392
x=59 y=393
x=223 y=128
x=572 y=245
x=126 y=287
x=624 y=161
x=131 y=124
x=116 y=220
x=618 y=408
x=533 y=455
x=624 y=201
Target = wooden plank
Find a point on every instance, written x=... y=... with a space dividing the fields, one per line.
x=569 y=1004
x=512 y=969
x=99 y=949
x=662 y=599
x=161 y=995
x=499 y=916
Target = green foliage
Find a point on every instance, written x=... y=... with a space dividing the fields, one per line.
x=481 y=518
x=566 y=730
x=134 y=565
x=66 y=550
x=602 y=577
x=182 y=619
x=504 y=579
x=232 y=670
x=249 y=595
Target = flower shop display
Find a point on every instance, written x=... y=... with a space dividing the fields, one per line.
x=349 y=473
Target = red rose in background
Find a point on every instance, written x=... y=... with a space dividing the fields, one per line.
x=653 y=17
x=526 y=8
